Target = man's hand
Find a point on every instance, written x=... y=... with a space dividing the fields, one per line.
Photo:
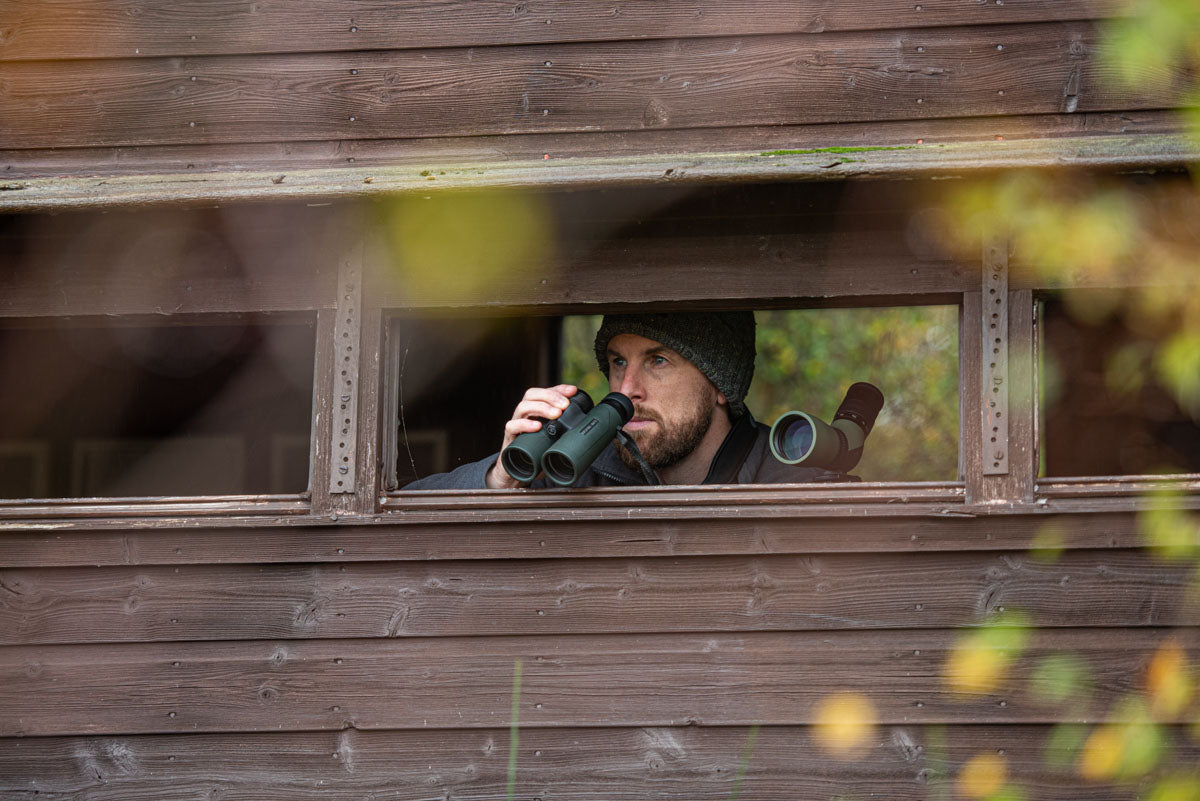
x=544 y=402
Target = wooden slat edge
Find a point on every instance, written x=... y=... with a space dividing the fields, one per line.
x=437 y=537
x=285 y=157
x=904 y=762
x=606 y=680
x=145 y=30
x=1157 y=151
x=482 y=598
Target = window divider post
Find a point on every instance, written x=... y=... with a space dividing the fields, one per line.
x=343 y=467
x=997 y=381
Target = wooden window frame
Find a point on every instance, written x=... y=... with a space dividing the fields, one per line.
x=354 y=291
x=276 y=505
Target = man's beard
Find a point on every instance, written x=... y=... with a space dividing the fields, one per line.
x=671 y=445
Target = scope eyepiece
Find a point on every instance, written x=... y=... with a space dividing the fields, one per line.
x=861 y=406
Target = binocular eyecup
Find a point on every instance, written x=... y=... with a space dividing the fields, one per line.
x=802 y=439
x=565 y=447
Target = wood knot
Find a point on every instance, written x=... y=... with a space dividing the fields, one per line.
x=655 y=116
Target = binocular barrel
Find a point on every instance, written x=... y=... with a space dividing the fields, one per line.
x=799 y=438
x=579 y=447
x=523 y=458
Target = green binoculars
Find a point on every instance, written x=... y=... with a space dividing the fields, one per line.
x=801 y=439
x=565 y=447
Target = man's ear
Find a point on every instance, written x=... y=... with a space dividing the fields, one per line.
x=721 y=399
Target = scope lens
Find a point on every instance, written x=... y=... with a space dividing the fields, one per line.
x=795 y=439
x=558 y=467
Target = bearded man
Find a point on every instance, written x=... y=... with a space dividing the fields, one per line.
x=687 y=375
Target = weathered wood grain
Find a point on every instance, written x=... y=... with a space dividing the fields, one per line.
x=677 y=171
x=786 y=763
x=1018 y=484
x=671 y=531
x=697 y=83
x=679 y=531
x=612 y=680
x=168 y=262
x=16 y=165
x=829 y=262
x=74 y=29
x=439 y=599
x=1088 y=487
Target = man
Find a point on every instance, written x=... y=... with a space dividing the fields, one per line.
x=687 y=375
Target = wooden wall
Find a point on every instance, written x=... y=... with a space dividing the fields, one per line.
x=378 y=661
x=142 y=86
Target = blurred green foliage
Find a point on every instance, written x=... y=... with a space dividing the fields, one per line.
x=808 y=358
x=1153 y=45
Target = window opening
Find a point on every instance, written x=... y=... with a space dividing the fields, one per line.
x=122 y=408
x=808 y=358
x=459 y=381
x=1104 y=407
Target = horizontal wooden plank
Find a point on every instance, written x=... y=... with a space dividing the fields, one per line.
x=438 y=599
x=610 y=680
x=679 y=171
x=664 y=531
x=1093 y=487
x=677 y=531
x=439 y=506
x=613 y=86
x=73 y=29
x=172 y=261
x=833 y=262
x=912 y=763
x=282 y=158
x=180 y=260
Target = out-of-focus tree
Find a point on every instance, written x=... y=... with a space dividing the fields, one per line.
x=1099 y=230
x=1085 y=231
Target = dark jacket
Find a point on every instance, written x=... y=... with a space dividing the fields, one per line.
x=743 y=458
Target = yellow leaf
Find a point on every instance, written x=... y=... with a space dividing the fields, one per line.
x=1102 y=754
x=1167 y=679
x=982 y=776
x=845 y=722
x=975 y=669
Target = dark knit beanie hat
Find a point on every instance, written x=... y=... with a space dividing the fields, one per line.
x=720 y=344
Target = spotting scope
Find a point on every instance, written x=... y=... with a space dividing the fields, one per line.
x=800 y=438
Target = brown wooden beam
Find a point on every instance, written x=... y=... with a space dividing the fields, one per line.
x=820 y=592
x=848 y=77
x=168 y=262
x=998 y=454
x=570 y=533
x=773 y=678
x=903 y=762
x=73 y=30
x=283 y=158
x=679 y=171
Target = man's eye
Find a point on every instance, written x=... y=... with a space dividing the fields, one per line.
x=658 y=360
x=616 y=362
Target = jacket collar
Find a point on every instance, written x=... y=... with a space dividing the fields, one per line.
x=733 y=451
x=724 y=468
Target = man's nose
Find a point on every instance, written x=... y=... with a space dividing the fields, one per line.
x=631 y=385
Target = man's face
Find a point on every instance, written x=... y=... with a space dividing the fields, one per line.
x=673 y=402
